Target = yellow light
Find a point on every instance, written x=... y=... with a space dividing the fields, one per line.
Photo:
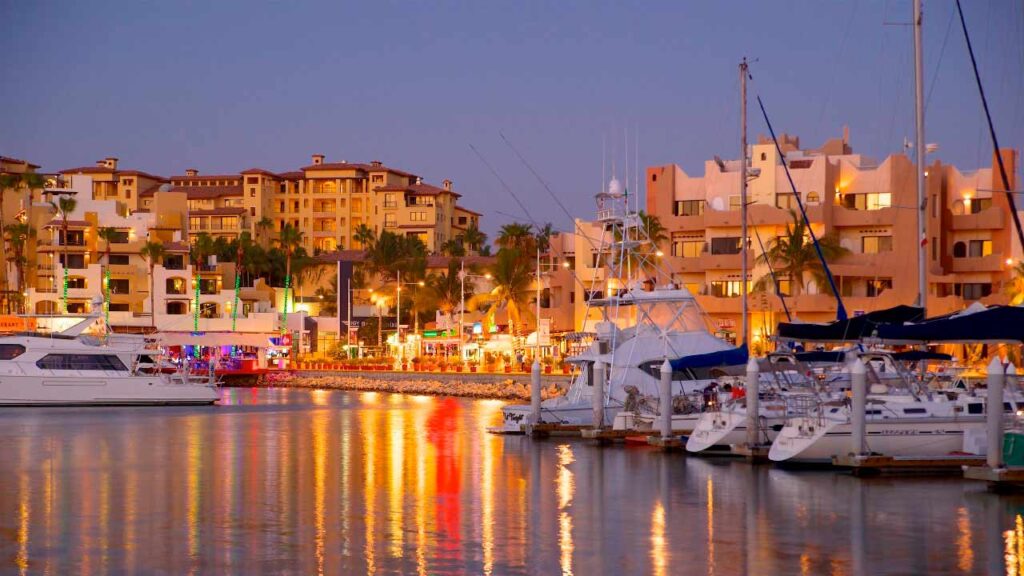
x=1009 y=261
x=422 y=283
x=487 y=276
x=659 y=253
x=565 y=264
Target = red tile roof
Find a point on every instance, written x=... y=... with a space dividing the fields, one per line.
x=71 y=224
x=419 y=189
x=294 y=175
x=200 y=192
x=260 y=171
x=464 y=209
x=208 y=177
x=88 y=170
x=176 y=247
x=343 y=256
x=142 y=174
x=356 y=166
x=17 y=161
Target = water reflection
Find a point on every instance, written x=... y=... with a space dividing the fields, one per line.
x=289 y=481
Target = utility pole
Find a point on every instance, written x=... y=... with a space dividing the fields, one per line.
x=743 y=200
x=922 y=199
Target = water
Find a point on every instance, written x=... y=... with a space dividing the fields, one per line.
x=313 y=481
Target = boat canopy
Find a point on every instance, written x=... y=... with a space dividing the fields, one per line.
x=918 y=355
x=832 y=357
x=731 y=357
x=976 y=324
x=851 y=329
x=257 y=340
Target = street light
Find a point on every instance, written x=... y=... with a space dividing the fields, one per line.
x=462 y=306
x=398 y=312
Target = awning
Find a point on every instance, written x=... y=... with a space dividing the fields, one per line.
x=730 y=357
x=918 y=355
x=833 y=357
x=258 y=340
x=996 y=324
x=849 y=330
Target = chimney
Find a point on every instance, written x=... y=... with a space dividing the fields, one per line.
x=419 y=180
x=191 y=172
x=375 y=163
x=110 y=162
x=448 y=185
x=318 y=159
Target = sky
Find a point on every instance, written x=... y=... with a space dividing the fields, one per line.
x=447 y=89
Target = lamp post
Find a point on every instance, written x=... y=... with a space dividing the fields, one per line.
x=462 y=305
x=398 y=312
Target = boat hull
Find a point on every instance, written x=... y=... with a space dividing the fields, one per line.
x=516 y=416
x=101 y=391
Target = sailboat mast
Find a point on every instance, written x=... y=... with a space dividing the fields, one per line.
x=743 y=199
x=922 y=200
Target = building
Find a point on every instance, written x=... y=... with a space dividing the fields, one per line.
x=869 y=207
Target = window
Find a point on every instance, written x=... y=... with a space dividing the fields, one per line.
x=77 y=308
x=208 y=310
x=783 y=287
x=390 y=201
x=417 y=216
x=390 y=221
x=735 y=203
x=119 y=286
x=654 y=177
x=118 y=260
x=979 y=248
x=75 y=238
x=935 y=248
x=959 y=250
x=727 y=288
x=688 y=208
x=572 y=297
x=878 y=285
x=175 y=286
x=11 y=351
x=81 y=362
x=76 y=282
x=786 y=201
x=252 y=211
x=869 y=201
x=813 y=198
x=207 y=285
x=174 y=262
x=177 y=308
x=252 y=192
x=687 y=248
x=119 y=307
x=725 y=245
x=252 y=179
x=280 y=206
x=875 y=244
x=74 y=261
x=764 y=157
x=975 y=205
x=119 y=237
x=974 y=291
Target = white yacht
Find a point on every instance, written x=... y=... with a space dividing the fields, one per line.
x=75 y=369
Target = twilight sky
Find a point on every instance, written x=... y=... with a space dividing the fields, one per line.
x=227 y=85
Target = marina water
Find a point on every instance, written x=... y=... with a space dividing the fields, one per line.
x=315 y=481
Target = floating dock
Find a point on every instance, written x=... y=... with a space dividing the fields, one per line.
x=866 y=464
x=998 y=478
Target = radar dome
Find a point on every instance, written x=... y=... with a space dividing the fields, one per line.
x=165 y=188
x=615 y=187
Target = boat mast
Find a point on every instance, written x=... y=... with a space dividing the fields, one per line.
x=922 y=200
x=743 y=199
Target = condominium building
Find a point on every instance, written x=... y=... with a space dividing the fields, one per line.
x=868 y=206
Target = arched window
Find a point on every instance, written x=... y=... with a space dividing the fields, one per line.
x=177 y=307
x=77 y=283
x=959 y=250
x=46 y=307
x=813 y=198
x=958 y=208
x=208 y=310
x=176 y=285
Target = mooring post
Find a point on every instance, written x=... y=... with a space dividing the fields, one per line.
x=859 y=385
x=994 y=413
x=535 y=392
x=597 y=394
x=665 y=391
x=753 y=403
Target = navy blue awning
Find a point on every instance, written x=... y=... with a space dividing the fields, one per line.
x=821 y=356
x=851 y=329
x=994 y=324
x=731 y=357
x=918 y=355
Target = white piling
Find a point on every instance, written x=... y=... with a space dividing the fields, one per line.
x=753 y=403
x=597 y=394
x=859 y=386
x=665 y=392
x=535 y=392
x=994 y=413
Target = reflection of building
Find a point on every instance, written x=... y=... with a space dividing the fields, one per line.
x=869 y=206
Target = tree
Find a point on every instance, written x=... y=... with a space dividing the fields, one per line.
x=473 y=239
x=1015 y=289
x=12 y=182
x=289 y=239
x=202 y=247
x=512 y=280
x=152 y=251
x=443 y=290
x=453 y=248
x=328 y=297
x=364 y=236
x=18 y=235
x=64 y=206
x=792 y=255
x=107 y=234
x=543 y=237
x=263 y=228
x=517 y=236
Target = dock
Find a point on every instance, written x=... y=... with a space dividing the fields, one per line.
x=544 y=429
x=1007 y=478
x=606 y=435
x=672 y=443
x=871 y=464
x=753 y=454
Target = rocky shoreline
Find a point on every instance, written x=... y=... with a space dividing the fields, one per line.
x=503 y=389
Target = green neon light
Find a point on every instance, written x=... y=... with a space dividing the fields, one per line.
x=106 y=302
x=195 y=312
x=284 y=321
x=65 y=299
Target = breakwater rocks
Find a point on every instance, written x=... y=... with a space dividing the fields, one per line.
x=428 y=384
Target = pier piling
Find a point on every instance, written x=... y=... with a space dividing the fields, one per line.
x=535 y=392
x=665 y=391
x=858 y=416
x=994 y=414
x=753 y=403
x=597 y=394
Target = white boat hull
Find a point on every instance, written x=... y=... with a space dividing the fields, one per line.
x=516 y=416
x=101 y=391
x=817 y=440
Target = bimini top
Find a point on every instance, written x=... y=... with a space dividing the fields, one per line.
x=638 y=296
x=731 y=357
x=975 y=324
x=851 y=329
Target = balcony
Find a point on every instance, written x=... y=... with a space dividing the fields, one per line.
x=725 y=261
x=991 y=218
x=848 y=217
x=990 y=263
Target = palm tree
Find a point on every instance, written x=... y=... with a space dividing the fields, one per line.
x=443 y=290
x=152 y=251
x=512 y=279
x=656 y=232
x=202 y=247
x=793 y=255
x=64 y=206
x=453 y=248
x=107 y=234
x=473 y=238
x=263 y=231
x=18 y=234
x=30 y=181
x=289 y=239
x=364 y=236
x=328 y=297
x=517 y=236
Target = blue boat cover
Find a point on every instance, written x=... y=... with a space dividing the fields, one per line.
x=851 y=329
x=731 y=357
x=994 y=324
x=918 y=355
x=821 y=356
